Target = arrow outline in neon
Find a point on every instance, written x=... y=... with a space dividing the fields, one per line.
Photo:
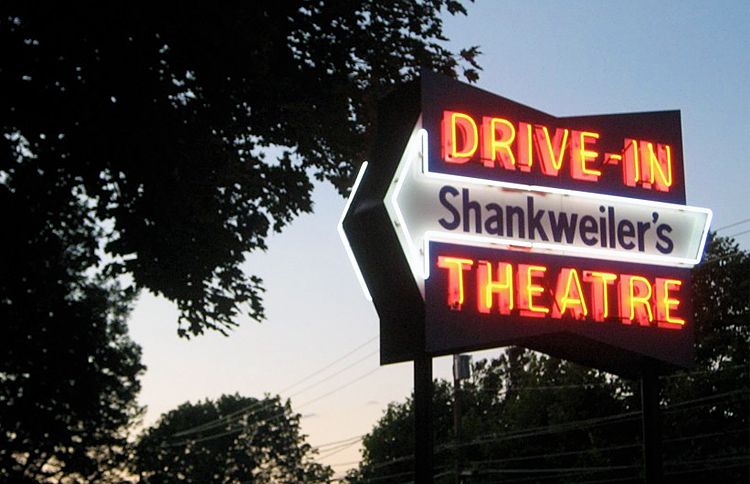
x=345 y=240
x=423 y=273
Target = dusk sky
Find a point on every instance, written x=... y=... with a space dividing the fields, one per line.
x=564 y=58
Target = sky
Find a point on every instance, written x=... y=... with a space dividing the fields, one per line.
x=564 y=58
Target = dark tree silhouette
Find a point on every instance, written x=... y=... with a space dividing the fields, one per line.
x=68 y=372
x=163 y=113
x=153 y=146
x=232 y=439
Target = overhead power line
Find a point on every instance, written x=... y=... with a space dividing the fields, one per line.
x=321 y=370
x=556 y=470
x=624 y=417
x=717 y=396
x=274 y=417
x=351 y=365
x=601 y=449
x=744 y=221
x=349 y=383
x=552 y=429
x=337 y=450
x=738 y=234
x=342 y=441
x=258 y=405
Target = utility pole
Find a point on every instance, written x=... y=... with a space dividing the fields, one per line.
x=652 y=455
x=461 y=371
x=423 y=418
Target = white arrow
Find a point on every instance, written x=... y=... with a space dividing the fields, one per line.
x=426 y=206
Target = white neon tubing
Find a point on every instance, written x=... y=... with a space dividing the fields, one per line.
x=342 y=234
x=546 y=247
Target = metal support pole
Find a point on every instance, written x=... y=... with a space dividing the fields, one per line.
x=457 y=419
x=652 y=455
x=423 y=444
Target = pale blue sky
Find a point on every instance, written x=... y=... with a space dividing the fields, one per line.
x=565 y=58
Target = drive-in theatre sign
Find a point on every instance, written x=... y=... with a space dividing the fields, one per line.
x=480 y=222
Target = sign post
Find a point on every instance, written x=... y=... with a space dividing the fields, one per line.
x=423 y=436
x=481 y=222
x=652 y=457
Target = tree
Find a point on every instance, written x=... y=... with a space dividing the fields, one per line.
x=720 y=382
x=134 y=145
x=233 y=439
x=520 y=411
x=68 y=372
x=388 y=450
x=164 y=117
x=528 y=416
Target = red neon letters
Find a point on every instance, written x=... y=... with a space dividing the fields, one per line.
x=497 y=142
x=647 y=166
x=535 y=291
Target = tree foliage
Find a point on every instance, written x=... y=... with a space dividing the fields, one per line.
x=720 y=380
x=68 y=372
x=164 y=116
x=233 y=439
x=153 y=146
x=528 y=416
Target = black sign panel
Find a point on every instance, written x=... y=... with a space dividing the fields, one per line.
x=607 y=341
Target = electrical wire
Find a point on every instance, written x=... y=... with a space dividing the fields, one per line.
x=708 y=468
x=733 y=224
x=339 y=388
x=598 y=449
x=547 y=470
x=336 y=450
x=339 y=464
x=260 y=403
x=603 y=384
x=321 y=370
x=586 y=423
x=602 y=481
x=279 y=415
x=496 y=437
x=518 y=434
x=328 y=444
x=716 y=396
x=351 y=365
x=546 y=430
x=400 y=474
x=706 y=435
x=578 y=424
x=565 y=472
x=383 y=478
x=738 y=234
x=557 y=454
x=688 y=471
x=710 y=460
x=237 y=417
x=700 y=372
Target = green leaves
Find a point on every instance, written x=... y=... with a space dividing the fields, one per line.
x=232 y=439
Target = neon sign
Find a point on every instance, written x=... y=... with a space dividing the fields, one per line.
x=638 y=298
x=503 y=145
x=482 y=222
x=428 y=206
x=510 y=296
